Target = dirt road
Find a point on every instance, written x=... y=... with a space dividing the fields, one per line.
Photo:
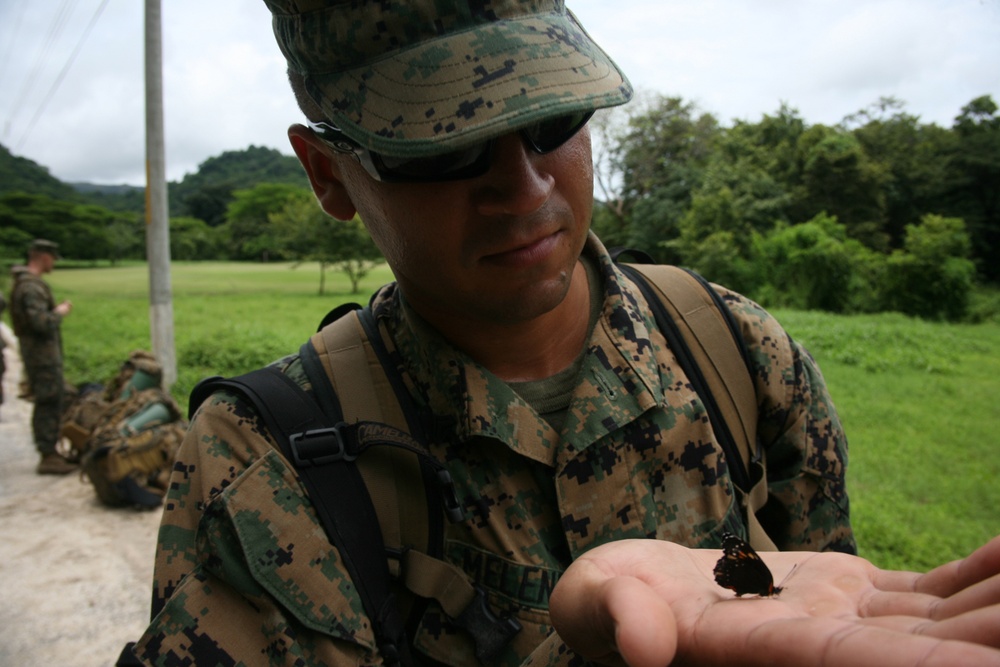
x=74 y=575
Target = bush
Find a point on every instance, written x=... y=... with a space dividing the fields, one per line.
x=813 y=265
x=932 y=276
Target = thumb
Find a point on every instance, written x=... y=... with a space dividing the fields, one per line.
x=617 y=621
x=645 y=627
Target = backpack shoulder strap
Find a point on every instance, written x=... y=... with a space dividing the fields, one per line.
x=707 y=341
x=322 y=457
x=347 y=359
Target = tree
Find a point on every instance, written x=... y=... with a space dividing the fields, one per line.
x=306 y=233
x=193 y=239
x=838 y=178
x=912 y=158
x=814 y=265
x=976 y=188
x=248 y=228
x=83 y=231
x=207 y=192
x=655 y=166
x=932 y=276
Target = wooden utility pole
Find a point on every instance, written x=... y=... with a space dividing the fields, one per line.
x=161 y=307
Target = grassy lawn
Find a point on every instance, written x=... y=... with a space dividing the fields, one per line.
x=918 y=399
x=919 y=403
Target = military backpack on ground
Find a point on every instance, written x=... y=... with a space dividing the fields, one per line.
x=356 y=442
x=126 y=437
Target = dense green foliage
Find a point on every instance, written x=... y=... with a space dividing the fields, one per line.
x=855 y=202
x=917 y=398
x=207 y=193
x=880 y=212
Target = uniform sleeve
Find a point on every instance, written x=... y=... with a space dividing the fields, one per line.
x=803 y=440
x=40 y=319
x=210 y=458
x=243 y=574
x=36 y=307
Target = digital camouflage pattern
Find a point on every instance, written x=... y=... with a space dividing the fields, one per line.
x=37 y=328
x=127 y=434
x=3 y=343
x=245 y=574
x=417 y=77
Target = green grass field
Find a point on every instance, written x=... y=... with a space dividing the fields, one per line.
x=918 y=399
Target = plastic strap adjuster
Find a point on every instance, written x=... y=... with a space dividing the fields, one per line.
x=452 y=508
x=320 y=446
x=489 y=632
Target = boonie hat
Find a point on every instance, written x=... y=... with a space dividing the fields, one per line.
x=41 y=245
x=413 y=78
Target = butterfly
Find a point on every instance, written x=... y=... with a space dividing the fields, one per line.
x=740 y=569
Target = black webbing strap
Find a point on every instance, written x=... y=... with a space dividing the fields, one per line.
x=323 y=459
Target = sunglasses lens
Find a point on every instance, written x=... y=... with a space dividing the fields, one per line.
x=544 y=137
x=464 y=163
x=550 y=134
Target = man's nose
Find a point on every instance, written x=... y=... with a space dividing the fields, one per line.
x=517 y=182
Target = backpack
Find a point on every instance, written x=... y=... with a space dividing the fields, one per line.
x=358 y=436
x=126 y=439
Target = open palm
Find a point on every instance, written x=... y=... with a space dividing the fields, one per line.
x=648 y=603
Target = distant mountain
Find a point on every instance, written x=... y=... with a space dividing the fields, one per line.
x=205 y=194
x=19 y=174
x=90 y=188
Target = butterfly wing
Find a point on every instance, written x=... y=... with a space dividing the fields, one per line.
x=741 y=570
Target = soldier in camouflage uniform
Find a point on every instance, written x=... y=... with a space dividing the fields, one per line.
x=594 y=490
x=3 y=344
x=37 y=320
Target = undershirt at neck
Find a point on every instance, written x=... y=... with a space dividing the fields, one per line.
x=551 y=396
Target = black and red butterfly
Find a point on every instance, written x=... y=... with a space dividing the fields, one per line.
x=740 y=569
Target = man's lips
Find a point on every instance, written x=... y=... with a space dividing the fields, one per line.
x=526 y=254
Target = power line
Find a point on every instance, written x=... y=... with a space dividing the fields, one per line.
x=63 y=72
x=10 y=42
x=58 y=22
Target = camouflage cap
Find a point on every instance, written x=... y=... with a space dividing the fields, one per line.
x=417 y=77
x=41 y=245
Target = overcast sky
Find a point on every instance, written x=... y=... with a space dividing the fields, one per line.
x=72 y=92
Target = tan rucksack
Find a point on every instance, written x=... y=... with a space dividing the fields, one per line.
x=128 y=436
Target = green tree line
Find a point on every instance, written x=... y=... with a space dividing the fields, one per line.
x=878 y=212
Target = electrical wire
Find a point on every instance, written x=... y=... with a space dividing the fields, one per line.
x=59 y=21
x=62 y=74
x=16 y=24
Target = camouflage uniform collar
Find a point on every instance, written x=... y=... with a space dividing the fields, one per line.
x=619 y=378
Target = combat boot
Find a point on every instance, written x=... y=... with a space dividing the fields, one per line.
x=53 y=464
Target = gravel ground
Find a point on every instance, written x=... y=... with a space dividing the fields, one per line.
x=75 y=575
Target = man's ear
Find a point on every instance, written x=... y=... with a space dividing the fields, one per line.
x=323 y=172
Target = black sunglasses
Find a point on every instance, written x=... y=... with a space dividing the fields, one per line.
x=542 y=137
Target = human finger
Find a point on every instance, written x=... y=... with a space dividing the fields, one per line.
x=948 y=579
x=923 y=605
x=832 y=642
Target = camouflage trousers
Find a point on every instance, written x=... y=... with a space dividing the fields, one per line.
x=47 y=387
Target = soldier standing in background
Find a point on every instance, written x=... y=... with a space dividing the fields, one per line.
x=37 y=319
x=3 y=343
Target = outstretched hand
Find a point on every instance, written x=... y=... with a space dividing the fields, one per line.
x=647 y=603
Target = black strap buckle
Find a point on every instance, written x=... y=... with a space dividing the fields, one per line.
x=490 y=633
x=452 y=508
x=320 y=446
